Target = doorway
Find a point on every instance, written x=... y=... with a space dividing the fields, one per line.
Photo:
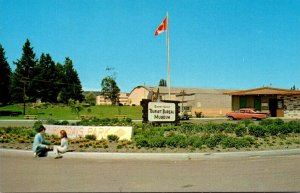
x=273 y=105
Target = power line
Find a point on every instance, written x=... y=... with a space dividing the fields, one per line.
x=39 y=80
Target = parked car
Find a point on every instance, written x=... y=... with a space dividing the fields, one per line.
x=185 y=112
x=247 y=113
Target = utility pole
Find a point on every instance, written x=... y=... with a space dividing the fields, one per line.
x=24 y=96
x=183 y=93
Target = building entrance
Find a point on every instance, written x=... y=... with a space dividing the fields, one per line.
x=273 y=105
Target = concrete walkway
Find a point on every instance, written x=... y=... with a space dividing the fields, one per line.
x=162 y=156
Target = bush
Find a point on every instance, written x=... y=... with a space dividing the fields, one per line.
x=90 y=137
x=278 y=121
x=294 y=126
x=198 y=143
x=230 y=142
x=113 y=138
x=64 y=122
x=214 y=140
x=37 y=125
x=156 y=141
x=266 y=122
x=240 y=130
x=213 y=127
x=141 y=141
x=246 y=122
x=177 y=141
x=257 y=130
x=229 y=127
x=273 y=129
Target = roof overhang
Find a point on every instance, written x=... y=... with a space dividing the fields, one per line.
x=265 y=91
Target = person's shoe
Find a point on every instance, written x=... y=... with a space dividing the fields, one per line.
x=34 y=155
x=58 y=157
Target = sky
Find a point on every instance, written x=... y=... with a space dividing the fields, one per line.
x=229 y=44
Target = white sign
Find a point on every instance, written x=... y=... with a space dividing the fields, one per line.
x=159 y=111
x=101 y=132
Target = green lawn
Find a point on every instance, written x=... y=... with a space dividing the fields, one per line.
x=63 y=112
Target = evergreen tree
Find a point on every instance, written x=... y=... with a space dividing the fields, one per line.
x=293 y=87
x=5 y=75
x=72 y=88
x=110 y=89
x=46 y=74
x=162 y=82
x=25 y=73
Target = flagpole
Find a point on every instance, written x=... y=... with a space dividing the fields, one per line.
x=168 y=55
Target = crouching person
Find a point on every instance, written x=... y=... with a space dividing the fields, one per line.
x=40 y=147
x=62 y=148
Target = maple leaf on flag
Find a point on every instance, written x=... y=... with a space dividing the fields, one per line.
x=162 y=27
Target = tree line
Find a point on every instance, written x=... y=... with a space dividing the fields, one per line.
x=41 y=78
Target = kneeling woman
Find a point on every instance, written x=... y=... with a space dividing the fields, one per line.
x=63 y=145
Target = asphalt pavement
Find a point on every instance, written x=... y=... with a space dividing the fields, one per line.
x=122 y=172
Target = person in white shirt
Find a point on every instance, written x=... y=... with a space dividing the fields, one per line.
x=62 y=148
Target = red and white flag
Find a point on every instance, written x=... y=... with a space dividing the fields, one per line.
x=162 y=27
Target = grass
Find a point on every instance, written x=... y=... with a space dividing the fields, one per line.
x=60 y=111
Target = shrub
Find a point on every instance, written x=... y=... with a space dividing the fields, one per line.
x=294 y=126
x=246 y=122
x=240 y=130
x=278 y=121
x=214 y=140
x=266 y=122
x=198 y=143
x=37 y=125
x=257 y=130
x=250 y=139
x=141 y=141
x=230 y=142
x=64 y=122
x=90 y=137
x=156 y=141
x=113 y=137
x=177 y=141
x=213 y=127
x=273 y=129
x=229 y=127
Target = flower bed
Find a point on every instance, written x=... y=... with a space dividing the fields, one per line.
x=208 y=137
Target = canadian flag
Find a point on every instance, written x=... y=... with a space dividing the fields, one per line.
x=162 y=27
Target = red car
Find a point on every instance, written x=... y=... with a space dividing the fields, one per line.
x=247 y=113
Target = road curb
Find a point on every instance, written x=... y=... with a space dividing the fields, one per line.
x=162 y=156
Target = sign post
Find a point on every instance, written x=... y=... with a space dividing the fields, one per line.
x=164 y=111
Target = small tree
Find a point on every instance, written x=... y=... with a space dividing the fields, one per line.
x=76 y=107
x=162 y=82
x=110 y=89
x=90 y=98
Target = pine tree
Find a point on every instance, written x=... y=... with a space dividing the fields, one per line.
x=162 y=82
x=72 y=88
x=46 y=74
x=25 y=74
x=5 y=75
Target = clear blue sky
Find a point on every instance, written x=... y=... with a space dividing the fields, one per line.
x=231 y=44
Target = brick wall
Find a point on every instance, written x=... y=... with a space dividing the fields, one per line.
x=292 y=103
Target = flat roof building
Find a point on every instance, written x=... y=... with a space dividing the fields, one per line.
x=279 y=102
x=208 y=101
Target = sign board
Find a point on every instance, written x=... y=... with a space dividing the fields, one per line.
x=161 y=112
x=101 y=132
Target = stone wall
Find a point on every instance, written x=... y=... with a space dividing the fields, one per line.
x=292 y=105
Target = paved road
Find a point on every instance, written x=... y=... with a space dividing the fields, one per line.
x=20 y=172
